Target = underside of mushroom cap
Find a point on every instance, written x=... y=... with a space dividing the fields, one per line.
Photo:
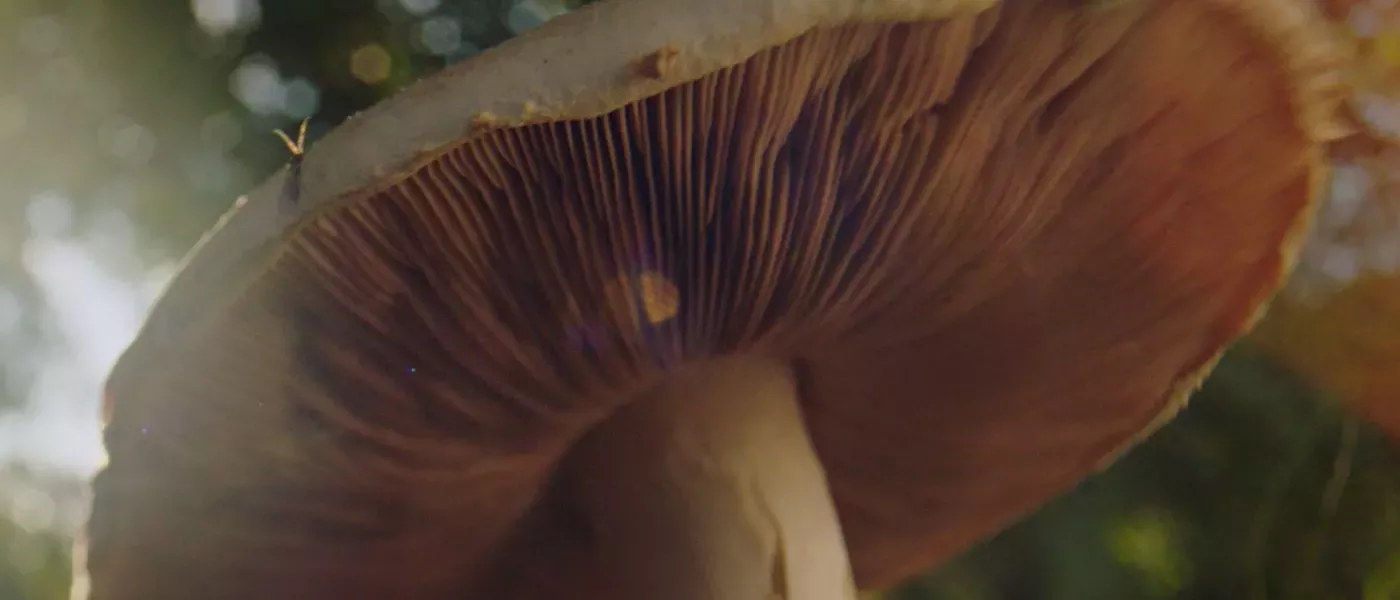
x=997 y=247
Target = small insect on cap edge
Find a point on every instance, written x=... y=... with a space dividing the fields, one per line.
x=298 y=147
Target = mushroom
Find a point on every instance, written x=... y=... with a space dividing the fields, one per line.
x=741 y=299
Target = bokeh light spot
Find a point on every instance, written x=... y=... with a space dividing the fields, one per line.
x=49 y=215
x=420 y=7
x=219 y=17
x=41 y=35
x=652 y=295
x=661 y=300
x=127 y=140
x=302 y=98
x=1146 y=541
x=370 y=63
x=440 y=35
x=32 y=510
x=257 y=84
x=529 y=14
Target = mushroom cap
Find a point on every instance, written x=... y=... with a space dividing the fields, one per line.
x=999 y=243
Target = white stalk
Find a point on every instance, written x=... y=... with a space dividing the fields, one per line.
x=708 y=488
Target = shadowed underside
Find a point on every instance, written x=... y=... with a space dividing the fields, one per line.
x=996 y=248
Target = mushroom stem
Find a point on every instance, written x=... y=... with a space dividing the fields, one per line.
x=708 y=488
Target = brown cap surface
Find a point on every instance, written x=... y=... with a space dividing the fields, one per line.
x=997 y=245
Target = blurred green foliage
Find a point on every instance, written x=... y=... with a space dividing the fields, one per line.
x=34 y=565
x=138 y=112
x=1261 y=489
x=19 y=580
